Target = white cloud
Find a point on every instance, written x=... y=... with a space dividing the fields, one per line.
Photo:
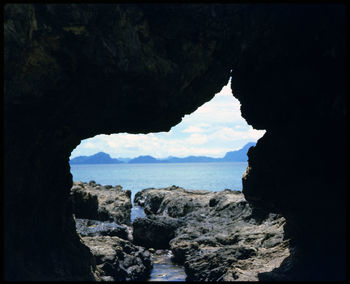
x=197 y=139
x=240 y=127
x=229 y=134
x=88 y=145
x=212 y=130
x=193 y=129
x=226 y=90
x=203 y=125
x=223 y=108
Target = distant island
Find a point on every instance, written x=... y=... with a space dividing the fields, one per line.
x=98 y=158
x=103 y=158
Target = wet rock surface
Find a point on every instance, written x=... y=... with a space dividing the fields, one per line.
x=91 y=228
x=218 y=239
x=118 y=259
x=155 y=232
x=104 y=203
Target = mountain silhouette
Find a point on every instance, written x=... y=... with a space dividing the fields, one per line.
x=98 y=158
x=103 y=158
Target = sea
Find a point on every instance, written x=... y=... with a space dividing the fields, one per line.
x=135 y=177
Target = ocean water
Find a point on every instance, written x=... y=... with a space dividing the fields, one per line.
x=135 y=177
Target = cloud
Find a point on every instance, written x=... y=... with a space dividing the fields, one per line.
x=226 y=90
x=223 y=108
x=131 y=148
x=88 y=145
x=193 y=129
x=229 y=134
x=184 y=151
x=212 y=130
x=197 y=139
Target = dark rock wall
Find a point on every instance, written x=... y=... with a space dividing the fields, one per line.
x=291 y=81
x=75 y=71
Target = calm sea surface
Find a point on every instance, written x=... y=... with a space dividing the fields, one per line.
x=208 y=176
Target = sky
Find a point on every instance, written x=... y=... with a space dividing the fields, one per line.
x=213 y=129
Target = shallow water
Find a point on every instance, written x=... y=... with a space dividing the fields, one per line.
x=137 y=212
x=164 y=269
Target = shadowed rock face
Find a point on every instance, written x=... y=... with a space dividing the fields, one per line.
x=296 y=90
x=75 y=71
x=118 y=259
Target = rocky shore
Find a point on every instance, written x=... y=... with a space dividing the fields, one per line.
x=118 y=259
x=104 y=203
x=215 y=235
x=102 y=217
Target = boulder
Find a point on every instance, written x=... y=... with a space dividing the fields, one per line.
x=172 y=201
x=104 y=203
x=221 y=240
x=84 y=204
x=91 y=228
x=118 y=259
x=155 y=232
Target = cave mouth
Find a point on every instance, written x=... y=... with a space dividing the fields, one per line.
x=207 y=150
x=74 y=71
x=212 y=133
x=178 y=178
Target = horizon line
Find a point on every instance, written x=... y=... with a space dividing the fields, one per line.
x=163 y=158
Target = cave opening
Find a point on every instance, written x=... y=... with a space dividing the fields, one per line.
x=75 y=71
x=208 y=134
x=143 y=186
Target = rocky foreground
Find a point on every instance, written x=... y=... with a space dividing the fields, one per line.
x=214 y=235
x=102 y=216
x=98 y=202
